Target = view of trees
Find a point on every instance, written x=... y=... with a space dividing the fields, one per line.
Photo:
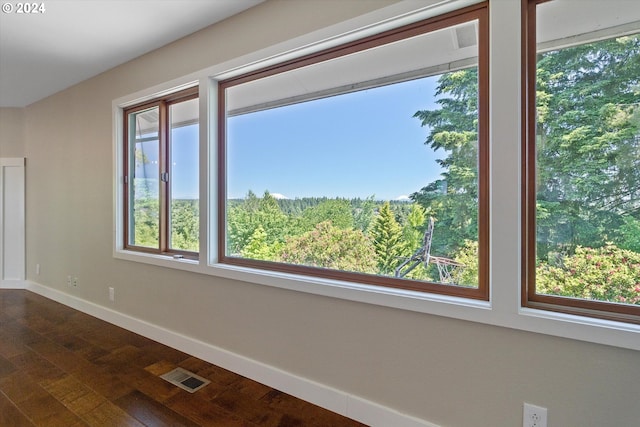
x=184 y=224
x=606 y=273
x=358 y=235
x=588 y=199
x=453 y=199
x=588 y=141
x=588 y=146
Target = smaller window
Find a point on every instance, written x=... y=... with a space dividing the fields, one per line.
x=582 y=151
x=161 y=175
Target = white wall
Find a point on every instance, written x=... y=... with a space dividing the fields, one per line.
x=449 y=372
x=12 y=132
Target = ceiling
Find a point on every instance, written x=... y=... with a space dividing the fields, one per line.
x=73 y=40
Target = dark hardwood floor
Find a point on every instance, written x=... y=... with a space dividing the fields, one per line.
x=60 y=367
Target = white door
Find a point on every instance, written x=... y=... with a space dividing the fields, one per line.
x=12 y=221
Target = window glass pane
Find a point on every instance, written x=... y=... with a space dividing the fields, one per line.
x=365 y=163
x=144 y=189
x=184 y=176
x=588 y=152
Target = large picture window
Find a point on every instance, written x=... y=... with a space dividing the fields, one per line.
x=161 y=178
x=582 y=158
x=366 y=162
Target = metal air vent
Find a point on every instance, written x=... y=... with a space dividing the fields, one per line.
x=185 y=380
x=465 y=36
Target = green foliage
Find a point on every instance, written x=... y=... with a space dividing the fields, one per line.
x=630 y=234
x=453 y=200
x=327 y=232
x=146 y=212
x=588 y=143
x=413 y=229
x=331 y=247
x=467 y=255
x=146 y=216
x=243 y=220
x=603 y=274
x=258 y=248
x=338 y=211
x=363 y=211
x=185 y=225
x=387 y=240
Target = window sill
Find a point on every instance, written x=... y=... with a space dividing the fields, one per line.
x=156 y=259
x=360 y=292
x=542 y=315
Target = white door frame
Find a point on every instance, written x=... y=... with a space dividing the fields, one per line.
x=12 y=222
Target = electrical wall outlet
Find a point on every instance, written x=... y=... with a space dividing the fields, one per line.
x=112 y=294
x=75 y=282
x=38 y=269
x=69 y=281
x=534 y=416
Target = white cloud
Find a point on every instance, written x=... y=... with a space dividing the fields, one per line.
x=403 y=198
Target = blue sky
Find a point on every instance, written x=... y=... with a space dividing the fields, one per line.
x=184 y=169
x=354 y=145
x=184 y=158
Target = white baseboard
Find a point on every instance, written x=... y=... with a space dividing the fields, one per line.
x=343 y=403
x=13 y=284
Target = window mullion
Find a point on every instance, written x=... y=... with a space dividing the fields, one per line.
x=164 y=168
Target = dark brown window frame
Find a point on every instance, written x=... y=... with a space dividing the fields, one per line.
x=529 y=297
x=163 y=104
x=477 y=12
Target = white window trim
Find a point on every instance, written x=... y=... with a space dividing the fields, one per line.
x=504 y=308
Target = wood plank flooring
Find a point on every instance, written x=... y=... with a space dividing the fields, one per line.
x=62 y=368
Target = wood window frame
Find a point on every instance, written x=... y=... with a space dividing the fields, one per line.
x=163 y=104
x=529 y=297
x=477 y=12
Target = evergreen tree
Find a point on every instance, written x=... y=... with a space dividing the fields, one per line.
x=453 y=200
x=387 y=240
x=413 y=228
x=588 y=142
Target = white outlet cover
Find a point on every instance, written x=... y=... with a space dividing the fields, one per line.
x=534 y=416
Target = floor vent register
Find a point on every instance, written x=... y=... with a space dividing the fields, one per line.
x=185 y=380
